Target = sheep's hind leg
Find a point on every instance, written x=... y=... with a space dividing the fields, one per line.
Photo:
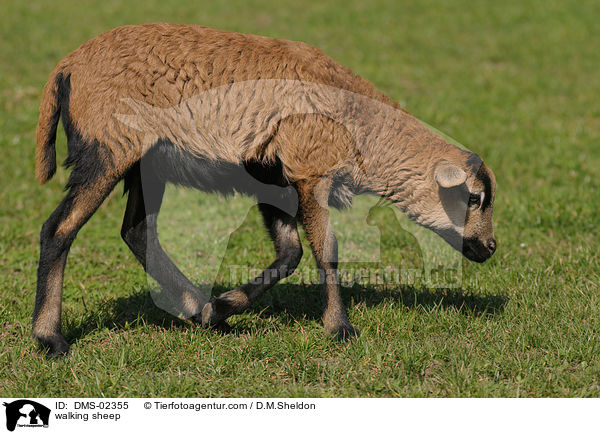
x=139 y=231
x=57 y=235
x=284 y=233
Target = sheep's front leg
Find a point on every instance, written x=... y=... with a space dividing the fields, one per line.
x=284 y=233
x=315 y=219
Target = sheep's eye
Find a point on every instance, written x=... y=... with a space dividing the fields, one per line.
x=474 y=200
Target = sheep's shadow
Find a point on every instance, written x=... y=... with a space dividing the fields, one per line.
x=304 y=301
x=122 y=313
x=288 y=303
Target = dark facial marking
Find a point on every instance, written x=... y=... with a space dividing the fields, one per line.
x=474 y=161
x=483 y=176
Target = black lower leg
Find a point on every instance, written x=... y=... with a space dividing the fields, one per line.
x=47 y=312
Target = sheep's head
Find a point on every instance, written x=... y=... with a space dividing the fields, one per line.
x=457 y=204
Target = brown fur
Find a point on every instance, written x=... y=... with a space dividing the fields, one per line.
x=239 y=100
x=163 y=65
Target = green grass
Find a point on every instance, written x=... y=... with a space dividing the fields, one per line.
x=517 y=82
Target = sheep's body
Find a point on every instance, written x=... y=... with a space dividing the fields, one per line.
x=167 y=75
x=206 y=108
x=164 y=66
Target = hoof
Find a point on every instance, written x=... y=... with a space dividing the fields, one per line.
x=55 y=346
x=211 y=318
x=343 y=332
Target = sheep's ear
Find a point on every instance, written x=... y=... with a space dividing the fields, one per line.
x=449 y=176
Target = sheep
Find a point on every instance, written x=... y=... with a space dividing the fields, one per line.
x=223 y=112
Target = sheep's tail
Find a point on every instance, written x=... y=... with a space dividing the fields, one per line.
x=45 y=151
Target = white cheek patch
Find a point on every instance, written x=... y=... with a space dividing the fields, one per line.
x=482 y=199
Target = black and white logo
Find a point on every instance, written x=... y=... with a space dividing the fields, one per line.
x=26 y=413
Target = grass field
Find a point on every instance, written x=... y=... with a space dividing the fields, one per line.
x=517 y=82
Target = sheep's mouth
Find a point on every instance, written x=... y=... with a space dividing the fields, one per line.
x=474 y=250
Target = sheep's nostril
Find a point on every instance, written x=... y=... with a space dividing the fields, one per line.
x=491 y=245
